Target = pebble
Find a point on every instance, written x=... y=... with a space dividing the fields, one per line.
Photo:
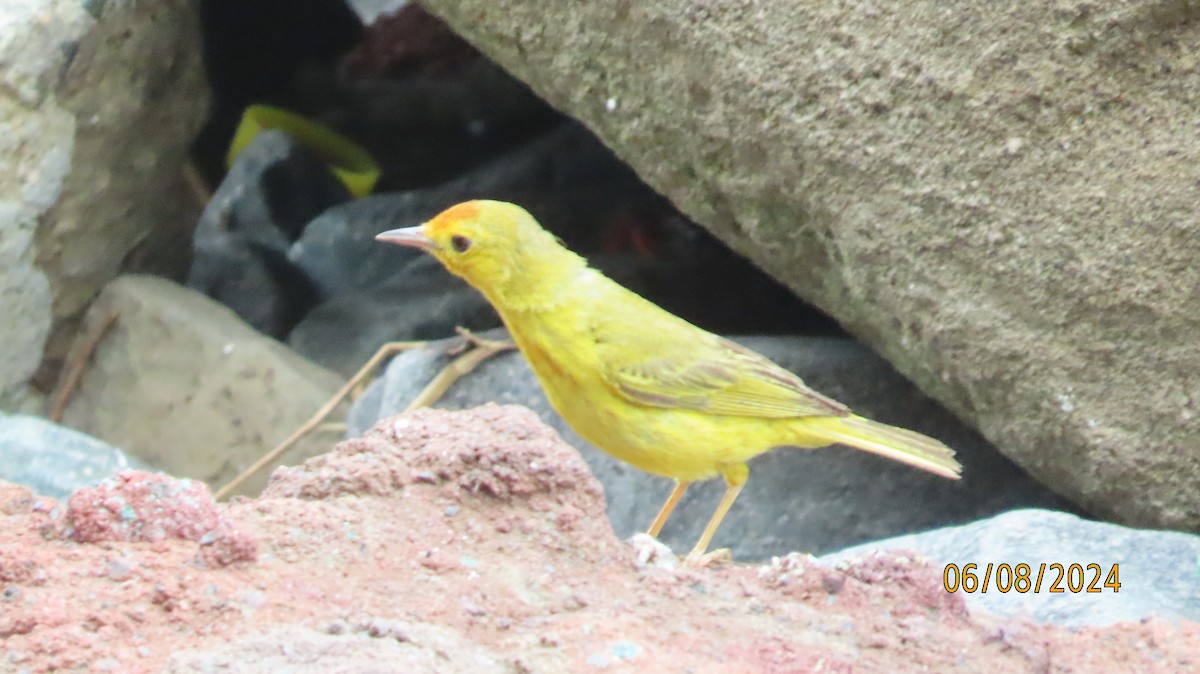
x=119 y=569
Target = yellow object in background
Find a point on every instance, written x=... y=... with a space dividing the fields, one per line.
x=638 y=382
x=347 y=160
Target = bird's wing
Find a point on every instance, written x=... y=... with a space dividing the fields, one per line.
x=709 y=374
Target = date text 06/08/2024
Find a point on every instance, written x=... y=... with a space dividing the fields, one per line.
x=1023 y=578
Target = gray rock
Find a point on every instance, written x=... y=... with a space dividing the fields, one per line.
x=25 y=302
x=796 y=500
x=273 y=190
x=258 y=283
x=338 y=250
x=1158 y=571
x=423 y=303
x=182 y=384
x=101 y=104
x=1013 y=227
x=53 y=460
x=43 y=132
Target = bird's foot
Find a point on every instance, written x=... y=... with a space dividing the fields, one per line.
x=700 y=560
x=652 y=552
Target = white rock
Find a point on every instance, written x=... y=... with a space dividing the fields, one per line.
x=98 y=104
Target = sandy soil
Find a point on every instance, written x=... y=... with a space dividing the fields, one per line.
x=471 y=542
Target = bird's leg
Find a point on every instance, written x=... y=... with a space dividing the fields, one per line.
x=665 y=511
x=735 y=476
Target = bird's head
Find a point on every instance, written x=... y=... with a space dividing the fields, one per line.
x=487 y=243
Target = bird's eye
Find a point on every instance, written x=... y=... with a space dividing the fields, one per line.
x=460 y=243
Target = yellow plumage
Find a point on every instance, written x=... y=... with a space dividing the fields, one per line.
x=636 y=381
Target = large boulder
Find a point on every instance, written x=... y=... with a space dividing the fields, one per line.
x=1000 y=198
x=100 y=103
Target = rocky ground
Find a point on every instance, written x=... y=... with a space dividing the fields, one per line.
x=472 y=542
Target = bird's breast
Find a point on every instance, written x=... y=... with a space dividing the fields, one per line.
x=564 y=360
x=563 y=354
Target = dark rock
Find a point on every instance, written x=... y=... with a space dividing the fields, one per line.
x=814 y=501
x=424 y=302
x=54 y=460
x=409 y=39
x=566 y=178
x=273 y=190
x=462 y=92
x=258 y=283
x=429 y=105
x=338 y=250
x=1158 y=571
x=671 y=261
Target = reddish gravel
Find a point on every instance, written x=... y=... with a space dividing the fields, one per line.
x=471 y=542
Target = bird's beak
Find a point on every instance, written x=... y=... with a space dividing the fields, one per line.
x=408 y=236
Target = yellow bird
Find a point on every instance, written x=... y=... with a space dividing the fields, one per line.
x=638 y=382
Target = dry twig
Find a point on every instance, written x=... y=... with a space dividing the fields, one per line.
x=77 y=362
x=476 y=350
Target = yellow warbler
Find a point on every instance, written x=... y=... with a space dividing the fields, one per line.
x=640 y=383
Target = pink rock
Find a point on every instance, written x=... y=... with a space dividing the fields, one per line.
x=139 y=506
x=475 y=541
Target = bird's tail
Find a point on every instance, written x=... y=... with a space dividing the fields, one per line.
x=895 y=443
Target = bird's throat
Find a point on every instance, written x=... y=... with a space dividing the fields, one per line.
x=538 y=288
